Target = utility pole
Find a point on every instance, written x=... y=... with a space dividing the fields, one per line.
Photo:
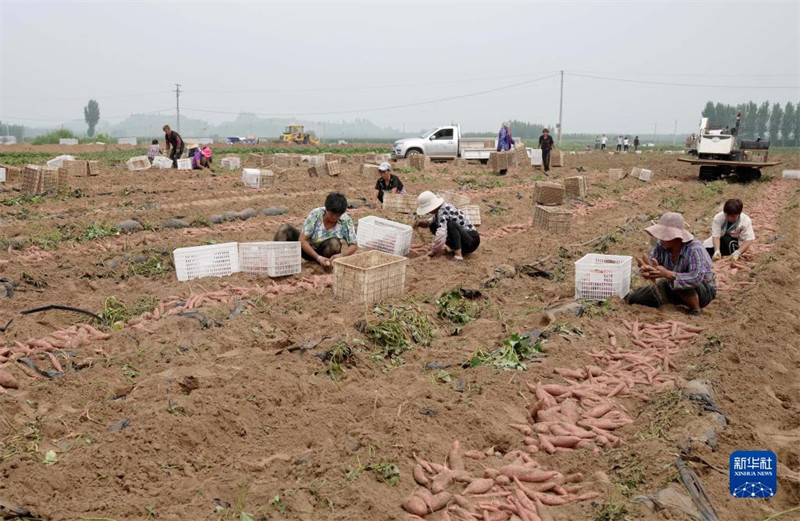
x=560 y=108
x=675 y=133
x=178 y=105
x=655 y=133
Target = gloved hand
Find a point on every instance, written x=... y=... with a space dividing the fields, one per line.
x=717 y=255
x=735 y=256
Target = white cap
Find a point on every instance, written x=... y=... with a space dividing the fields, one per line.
x=384 y=167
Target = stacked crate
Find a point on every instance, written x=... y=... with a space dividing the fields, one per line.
x=39 y=180
x=548 y=214
x=92 y=168
x=521 y=154
x=75 y=168
x=556 y=158
x=501 y=161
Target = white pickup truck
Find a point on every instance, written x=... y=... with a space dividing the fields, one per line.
x=445 y=143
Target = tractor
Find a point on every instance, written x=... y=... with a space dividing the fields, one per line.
x=295 y=134
x=720 y=153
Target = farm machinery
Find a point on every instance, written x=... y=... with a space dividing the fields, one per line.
x=295 y=134
x=720 y=153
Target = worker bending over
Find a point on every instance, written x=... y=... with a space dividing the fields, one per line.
x=451 y=228
x=679 y=268
x=731 y=232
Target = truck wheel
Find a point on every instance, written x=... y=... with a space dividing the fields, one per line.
x=413 y=152
x=709 y=173
x=747 y=174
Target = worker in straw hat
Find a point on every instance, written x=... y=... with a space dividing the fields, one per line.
x=679 y=268
x=452 y=231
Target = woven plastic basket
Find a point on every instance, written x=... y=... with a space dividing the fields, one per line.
x=184 y=164
x=600 y=277
x=575 y=186
x=645 y=175
x=552 y=219
x=368 y=277
x=550 y=194
x=384 y=235
x=454 y=198
x=162 y=162
x=400 y=203
x=231 y=162
x=214 y=260
x=419 y=161
x=274 y=259
x=615 y=174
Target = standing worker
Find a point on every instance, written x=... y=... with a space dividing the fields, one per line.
x=603 y=142
x=636 y=143
x=173 y=140
x=546 y=144
x=504 y=139
x=626 y=143
x=619 y=143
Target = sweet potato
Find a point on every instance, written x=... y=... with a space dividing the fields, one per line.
x=502 y=480
x=479 y=486
x=530 y=475
x=564 y=441
x=462 y=476
x=475 y=454
x=525 y=430
x=441 y=481
x=419 y=475
x=569 y=409
x=555 y=390
x=600 y=410
x=454 y=458
x=440 y=501
x=415 y=505
x=8 y=381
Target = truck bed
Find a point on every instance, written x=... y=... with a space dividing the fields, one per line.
x=714 y=162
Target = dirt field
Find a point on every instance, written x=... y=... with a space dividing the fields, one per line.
x=220 y=425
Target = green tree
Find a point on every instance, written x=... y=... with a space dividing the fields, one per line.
x=18 y=131
x=796 y=131
x=787 y=125
x=91 y=113
x=775 y=120
x=709 y=111
x=762 y=119
x=748 y=129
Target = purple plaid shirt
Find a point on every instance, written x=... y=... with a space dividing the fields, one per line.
x=692 y=267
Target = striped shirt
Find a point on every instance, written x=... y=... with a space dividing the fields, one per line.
x=692 y=267
x=446 y=213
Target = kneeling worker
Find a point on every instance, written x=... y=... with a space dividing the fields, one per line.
x=679 y=268
x=731 y=232
x=450 y=226
x=387 y=182
x=327 y=234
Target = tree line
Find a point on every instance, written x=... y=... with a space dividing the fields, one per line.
x=779 y=124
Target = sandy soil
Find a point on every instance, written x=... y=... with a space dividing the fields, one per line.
x=219 y=424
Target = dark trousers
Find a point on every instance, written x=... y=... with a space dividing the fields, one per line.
x=727 y=245
x=619 y=148
x=175 y=155
x=654 y=295
x=546 y=160
x=459 y=238
x=602 y=146
x=326 y=248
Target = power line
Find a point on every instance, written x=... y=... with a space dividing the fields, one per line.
x=67 y=120
x=112 y=96
x=671 y=84
x=376 y=109
x=363 y=87
x=739 y=75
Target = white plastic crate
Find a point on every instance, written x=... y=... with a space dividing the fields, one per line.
x=384 y=235
x=58 y=162
x=790 y=174
x=231 y=163
x=185 y=164
x=645 y=175
x=214 y=260
x=473 y=213
x=600 y=277
x=255 y=178
x=126 y=141
x=2 y=175
x=536 y=157
x=138 y=163
x=162 y=162
x=67 y=141
x=274 y=259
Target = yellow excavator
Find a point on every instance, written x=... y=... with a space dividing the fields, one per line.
x=295 y=134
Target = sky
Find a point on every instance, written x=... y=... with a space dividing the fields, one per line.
x=409 y=65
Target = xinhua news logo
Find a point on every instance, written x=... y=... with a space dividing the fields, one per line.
x=753 y=473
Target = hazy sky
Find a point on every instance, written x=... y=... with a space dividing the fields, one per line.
x=339 y=61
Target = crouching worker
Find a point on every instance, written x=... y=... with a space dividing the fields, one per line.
x=387 y=182
x=679 y=268
x=451 y=229
x=731 y=232
x=327 y=234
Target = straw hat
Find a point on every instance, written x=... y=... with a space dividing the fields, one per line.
x=670 y=226
x=194 y=144
x=428 y=202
